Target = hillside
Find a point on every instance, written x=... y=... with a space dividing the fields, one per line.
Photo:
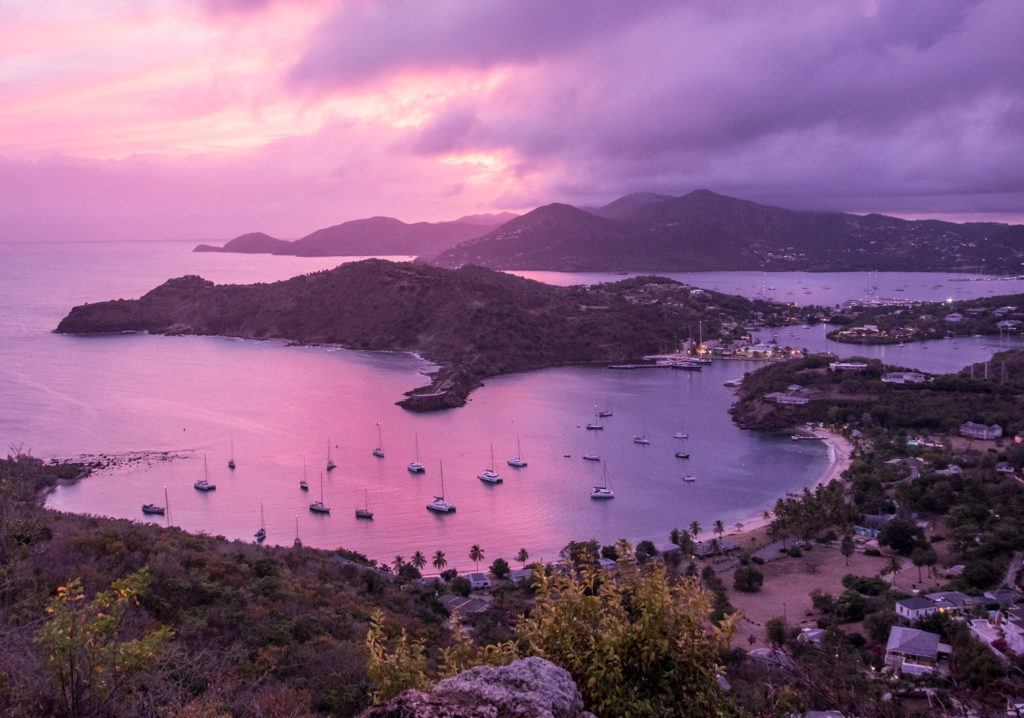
x=367 y=237
x=474 y=322
x=703 y=231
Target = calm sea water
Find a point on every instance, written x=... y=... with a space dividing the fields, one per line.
x=62 y=396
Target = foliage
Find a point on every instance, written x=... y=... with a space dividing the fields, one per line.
x=500 y=568
x=462 y=653
x=748 y=579
x=394 y=668
x=638 y=645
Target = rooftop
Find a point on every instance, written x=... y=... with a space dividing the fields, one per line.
x=912 y=642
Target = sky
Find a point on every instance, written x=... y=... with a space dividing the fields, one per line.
x=204 y=119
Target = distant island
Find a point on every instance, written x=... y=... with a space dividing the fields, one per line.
x=896 y=322
x=705 y=231
x=374 y=236
x=474 y=322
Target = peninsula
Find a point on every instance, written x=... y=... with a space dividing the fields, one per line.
x=474 y=322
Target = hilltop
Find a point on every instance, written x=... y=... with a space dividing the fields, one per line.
x=705 y=231
x=474 y=322
x=367 y=237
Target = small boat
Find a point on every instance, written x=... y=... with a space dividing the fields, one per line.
x=231 y=461
x=641 y=438
x=680 y=435
x=153 y=509
x=303 y=484
x=297 y=543
x=261 y=535
x=687 y=365
x=567 y=456
x=330 y=461
x=489 y=475
x=319 y=507
x=604 y=491
x=594 y=427
x=604 y=413
x=415 y=467
x=682 y=455
x=591 y=457
x=364 y=512
x=689 y=478
x=439 y=504
x=379 y=450
x=204 y=483
x=517 y=461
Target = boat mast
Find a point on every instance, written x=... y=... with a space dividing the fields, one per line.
x=167 y=508
x=441 y=465
x=492 y=456
x=519 y=447
x=321 y=488
x=262 y=522
x=380 y=437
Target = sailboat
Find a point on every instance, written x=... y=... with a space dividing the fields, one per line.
x=261 y=535
x=680 y=435
x=439 y=505
x=594 y=426
x=319 y=507
x=379 y=451
x=603 y=413
x=604 y=491
x=689 y=478
x=155 y=509
x=415 y=467
x=231 y=461
x=303 y=484
x=641 y=438
x=204 y=483
x=682 y=455
x=489 y=475
x=297 y=543
x=365 y=513
x=330 y=461
x=517 y=461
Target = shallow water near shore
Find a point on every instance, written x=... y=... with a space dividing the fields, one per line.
x=62 y=396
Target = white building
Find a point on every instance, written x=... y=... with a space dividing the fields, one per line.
x=847 y=366
x=479 y=581
x=911 y=651
x=905 y=377
x=980 y=431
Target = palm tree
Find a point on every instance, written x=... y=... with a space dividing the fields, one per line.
x=398 y=562
x=476 y=554
x=418 y=560
x=894 y=567
x=694 y=528
x=439 y=561
x=523 y=556
x=719 y=528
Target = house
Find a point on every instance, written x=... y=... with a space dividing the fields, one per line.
x=1012 y=625
x=851 y=367
x=973 y=430
x=778 y=397
x=954 y=317
x=954 y=601
x=1004 y=468
x=1008 y=325
x=905 y=377
x=915 y=608
x=951 y=470
x=1003 y=311
x=909 y=650
x=479 y=581
x=1003 y=597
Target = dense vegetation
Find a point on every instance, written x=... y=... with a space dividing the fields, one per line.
x=703 y=231
x=475 y=322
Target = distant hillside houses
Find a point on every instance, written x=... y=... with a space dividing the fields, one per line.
x=850 y=367
x=973 y=430
x=954 y=317
x=905 y=377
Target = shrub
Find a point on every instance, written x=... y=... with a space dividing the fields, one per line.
x=748 y=579
x=461 y=586
x=500 y=568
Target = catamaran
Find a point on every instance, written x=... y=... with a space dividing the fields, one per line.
x=594 y=426
x=231 y=461
x=489 y=475
x=204 y=483
x=439 y=505
x=604 y=491
x=365 y=513
x=379 y=451
x=330 y=461
x=680 y=435
x=303 y=484
x=641 y=438
x=319 y=507
x=604 y=413
x=682 y=455
x=261 y=535
x=591 y=457
x=517 y=461
x=415 y=467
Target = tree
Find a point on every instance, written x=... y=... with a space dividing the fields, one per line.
x=638 y=645
x=645 y=550
x=397 y=562
x=923 y=555
x=900 y=535
x=747 y=579
x=581 y=554
x=523 y=556
x=87 y=655
x=719 y=528
x=439 y=560
x=694 y=528
x=683 y=540
x=394 y=669
x=893 y=567
x=476 y=554
x=418 y=560
x=776 y=631
x=500 y=568
x=847 y=547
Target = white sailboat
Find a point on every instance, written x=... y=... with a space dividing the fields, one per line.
x=204 y=483
x=231 y=461
x=439 y=504
x=379 y=450
x=489 y=475
x=517 y=461
x=415 y=467
x=261 y=535
x=642 y=438
x=330 y=461
x=365 y=513
x=319 y=507
x=604 y=491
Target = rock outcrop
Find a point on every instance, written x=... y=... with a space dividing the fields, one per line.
x=527 y=688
